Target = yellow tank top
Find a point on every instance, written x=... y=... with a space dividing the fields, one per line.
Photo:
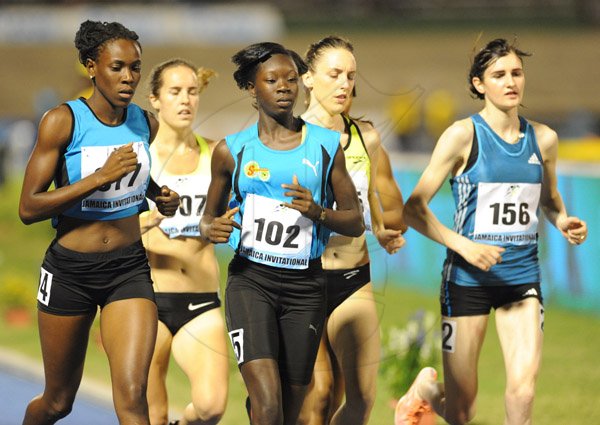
x=358 y=164
x=192 y=189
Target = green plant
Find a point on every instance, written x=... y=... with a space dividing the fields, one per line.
x=15 y=291
x=406 y=351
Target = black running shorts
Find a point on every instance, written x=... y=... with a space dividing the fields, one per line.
x=76 y=283
x=342 y=283
x=175 y=309
x=276 y=313
x=458 y=300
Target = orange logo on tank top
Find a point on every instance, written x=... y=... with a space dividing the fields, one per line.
x=252 y=169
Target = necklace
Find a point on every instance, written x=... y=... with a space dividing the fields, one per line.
x=519 y=137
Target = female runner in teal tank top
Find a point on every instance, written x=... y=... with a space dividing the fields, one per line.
x=283 y=176
x=96 y=150
x=502 y=167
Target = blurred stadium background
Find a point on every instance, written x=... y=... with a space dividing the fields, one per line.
x=413 y=58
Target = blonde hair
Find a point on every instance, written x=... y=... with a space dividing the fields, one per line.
x=204 y=76
x=155 y=81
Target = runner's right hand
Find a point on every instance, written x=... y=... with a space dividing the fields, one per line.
x=481 y=255
x=221 y=227
x=120 y=162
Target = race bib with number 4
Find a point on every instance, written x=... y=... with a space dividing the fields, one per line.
x=45 y=286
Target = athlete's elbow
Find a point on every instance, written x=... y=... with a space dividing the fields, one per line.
x=412 y=210
x=26 y=215
x=357 y=228
x=32 y=211
x=403 y=227
x=394 y=220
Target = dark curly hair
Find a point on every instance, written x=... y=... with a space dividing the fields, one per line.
x=330 y=42
x=248 y=60
x=92 y=35
x=492 y=51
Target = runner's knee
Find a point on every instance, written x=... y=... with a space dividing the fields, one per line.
x=521 y=394
x=59 y=406
x=209 y=410
x=130 y=397
x=460 y=415
x=322 y=394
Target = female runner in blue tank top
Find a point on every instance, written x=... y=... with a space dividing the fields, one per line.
x=283 y=175
x=96 y=151
x=502 y=168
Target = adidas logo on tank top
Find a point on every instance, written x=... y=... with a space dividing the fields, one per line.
x=533 y=159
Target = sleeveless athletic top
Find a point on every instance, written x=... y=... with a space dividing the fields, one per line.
x=92 y=142
x=192 y=189
x=358 y=164
x=497 y=203
x=272 y=234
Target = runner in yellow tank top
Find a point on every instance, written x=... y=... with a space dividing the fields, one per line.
x=352 y=332
x=184 y=266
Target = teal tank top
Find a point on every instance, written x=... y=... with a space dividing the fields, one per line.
x=497 y=201
x=91 y=143
x=271 y=233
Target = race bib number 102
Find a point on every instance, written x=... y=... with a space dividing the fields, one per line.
x=274 y=234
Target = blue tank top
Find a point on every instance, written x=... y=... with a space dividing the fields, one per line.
x=271 y=233
x=497 y=203
x=92 y=142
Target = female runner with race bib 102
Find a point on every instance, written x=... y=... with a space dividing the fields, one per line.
x=284 y=175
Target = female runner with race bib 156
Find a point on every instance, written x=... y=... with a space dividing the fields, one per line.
x=503 y=167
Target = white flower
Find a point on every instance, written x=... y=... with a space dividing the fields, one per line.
x=429 y=320
x=398 y=342
x=412 y=329
x=426 y=350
